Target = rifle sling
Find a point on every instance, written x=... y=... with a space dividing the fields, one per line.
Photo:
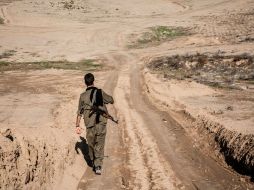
x=97 y=100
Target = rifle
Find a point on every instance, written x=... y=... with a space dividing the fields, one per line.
x=97 y=110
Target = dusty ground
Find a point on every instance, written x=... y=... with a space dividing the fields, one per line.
x=157 y=144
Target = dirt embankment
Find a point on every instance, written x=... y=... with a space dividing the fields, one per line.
x=33 y=164
x=235 y=147
x=211 y=96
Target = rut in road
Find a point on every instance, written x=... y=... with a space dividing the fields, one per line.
x=146 y=165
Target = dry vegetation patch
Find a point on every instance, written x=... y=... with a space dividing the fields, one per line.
x=83 y=65
x=7 y=54
x=156 y=35
x=231 y=71
x=69 y=4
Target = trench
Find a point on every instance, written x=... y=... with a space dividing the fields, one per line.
x=231 y=74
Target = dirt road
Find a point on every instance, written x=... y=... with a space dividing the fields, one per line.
x=160 y=153
x=148 y=149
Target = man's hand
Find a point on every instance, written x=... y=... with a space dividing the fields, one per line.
x=78 y=130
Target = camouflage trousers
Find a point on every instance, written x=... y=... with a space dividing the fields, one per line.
x=96 y=140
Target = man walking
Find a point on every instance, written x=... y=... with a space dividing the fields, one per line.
x=95 y=122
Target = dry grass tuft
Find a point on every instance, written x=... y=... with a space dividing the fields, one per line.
x=156 y=35
x=214 y=70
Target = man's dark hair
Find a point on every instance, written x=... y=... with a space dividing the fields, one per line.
x=89 y=79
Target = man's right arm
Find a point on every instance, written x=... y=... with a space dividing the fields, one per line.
x=79 y=115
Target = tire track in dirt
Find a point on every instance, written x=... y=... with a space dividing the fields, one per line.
x=147 y=166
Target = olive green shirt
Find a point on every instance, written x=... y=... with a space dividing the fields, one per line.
x=85 y=98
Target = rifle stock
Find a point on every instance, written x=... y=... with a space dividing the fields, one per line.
x=96 y=109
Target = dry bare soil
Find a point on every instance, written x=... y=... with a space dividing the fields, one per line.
x=182 y=76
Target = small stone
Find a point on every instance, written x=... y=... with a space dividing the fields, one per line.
x=230 y=108
x=164 y=120
x=241 y=62
x=242 y=179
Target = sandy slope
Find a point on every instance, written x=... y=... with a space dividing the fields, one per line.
x=148 y=149
x=196 y=99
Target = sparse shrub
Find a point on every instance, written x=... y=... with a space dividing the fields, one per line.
x=7 y=54
x=165 y=32
x=68 y=4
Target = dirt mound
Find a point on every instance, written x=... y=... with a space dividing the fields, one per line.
x=27 y=163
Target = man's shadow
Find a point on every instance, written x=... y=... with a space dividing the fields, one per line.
x=83 y=147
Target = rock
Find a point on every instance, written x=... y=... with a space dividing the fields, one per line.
x=7 y=133
x=241 y=62
x=242 y=179
x=230 y=108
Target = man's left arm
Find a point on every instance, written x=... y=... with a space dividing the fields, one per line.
x=107 y=99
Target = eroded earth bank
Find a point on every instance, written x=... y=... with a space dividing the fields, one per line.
x=181 y=73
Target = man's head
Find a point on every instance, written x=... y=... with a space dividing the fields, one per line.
x=89 y=79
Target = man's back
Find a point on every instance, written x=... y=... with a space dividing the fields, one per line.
x=92 y=96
